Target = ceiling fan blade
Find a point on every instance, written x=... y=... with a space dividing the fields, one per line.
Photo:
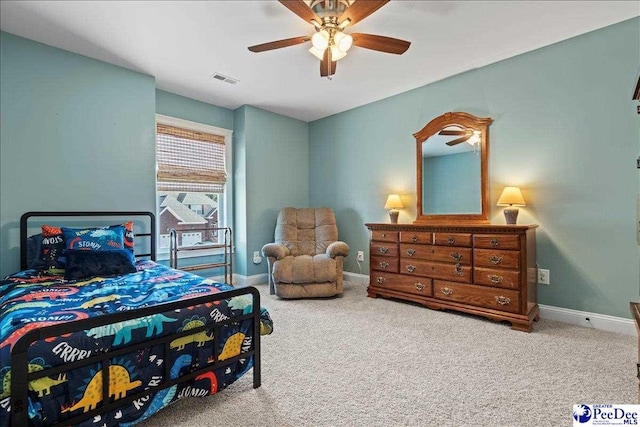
x=450 y=132
x=327 y=66
x=458 y=141
x=360 y=10
x=279 y=44
x=301 y=9
x=380 y=43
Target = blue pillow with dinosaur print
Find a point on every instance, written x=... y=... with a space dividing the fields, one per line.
x=94 y=239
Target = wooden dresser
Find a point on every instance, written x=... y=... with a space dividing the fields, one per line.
x=487 y=270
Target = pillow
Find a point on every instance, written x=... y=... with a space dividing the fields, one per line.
x=82 y=263
x=52 y=249
x=34 y=251
x=128 y=235
x=94 y=239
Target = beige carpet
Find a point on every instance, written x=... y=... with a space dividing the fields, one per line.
x=357 y=361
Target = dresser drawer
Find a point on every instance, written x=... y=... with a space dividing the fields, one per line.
x=436 y=253
x=383 y=249
x=436 y=270
x=402 y=283
x=495 y=298
x=497 y=277
x=420 y=237
x=496 y=241
x=452 y=239
x=384 y=263
x=496 y=259
x=384 y=236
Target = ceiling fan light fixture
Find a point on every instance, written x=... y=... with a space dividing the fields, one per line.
x=475 y=138
x=342 y=41
x=317 y=53
x=320 y=40
x=336 y=53
x=330 y=18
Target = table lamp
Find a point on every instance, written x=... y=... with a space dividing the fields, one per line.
x=511 y=196
x=393 y=204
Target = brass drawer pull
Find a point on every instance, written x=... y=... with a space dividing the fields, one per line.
x=447 y=291
x=456 y=256
x=495 y=260
x=494 y=278
x=494 y=242
x=411 y=252
x=384 y=264
x=414 y=238
x=384 y=235
x=384 y=250
x=419 y=286
x=451 y=240
x=503 y=300
x=411 y=268
x=459 y=270
x=380 y=279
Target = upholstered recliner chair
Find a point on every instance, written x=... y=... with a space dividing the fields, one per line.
x=306 y=259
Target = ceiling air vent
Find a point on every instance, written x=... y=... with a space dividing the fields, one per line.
x=223 y=78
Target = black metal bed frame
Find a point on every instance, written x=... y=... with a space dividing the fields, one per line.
x=19 y=357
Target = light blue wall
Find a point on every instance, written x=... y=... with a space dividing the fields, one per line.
x=565 y=130
x=75 y=134
x=240 y=232
x=451 y=184
x=172 y=105
x=271 y=170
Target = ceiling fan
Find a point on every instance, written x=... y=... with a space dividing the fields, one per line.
x=469 y=135
x=330 y=43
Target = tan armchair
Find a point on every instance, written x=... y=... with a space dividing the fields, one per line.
x=306 y=259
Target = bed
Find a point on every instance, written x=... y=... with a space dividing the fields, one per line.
x=144 y=338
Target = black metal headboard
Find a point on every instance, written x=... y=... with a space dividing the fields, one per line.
x=24 y=219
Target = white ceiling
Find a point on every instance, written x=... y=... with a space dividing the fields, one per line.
x=183 y=43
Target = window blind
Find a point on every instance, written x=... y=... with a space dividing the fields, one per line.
x=190 y=160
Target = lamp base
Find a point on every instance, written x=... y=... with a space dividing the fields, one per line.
x=511 y=215
x=393 y=216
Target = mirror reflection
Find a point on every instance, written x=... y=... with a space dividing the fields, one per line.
x=451 y=172
x=451 y=169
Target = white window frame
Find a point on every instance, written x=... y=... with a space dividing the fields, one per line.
x=225 y=215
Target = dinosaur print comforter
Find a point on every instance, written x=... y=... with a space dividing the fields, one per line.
x=28 y=301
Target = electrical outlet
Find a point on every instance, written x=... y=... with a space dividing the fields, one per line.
x=543 y=276
x=256 y=257
x=360 y=256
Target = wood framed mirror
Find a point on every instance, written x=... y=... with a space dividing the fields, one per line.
x=452 y=152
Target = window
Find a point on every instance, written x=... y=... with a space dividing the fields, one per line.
x=194 y=194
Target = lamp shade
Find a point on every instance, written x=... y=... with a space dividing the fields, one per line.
x=317 y=53
x=343 y=41
x=320 y=40
x=511 y=196
x=393 y=202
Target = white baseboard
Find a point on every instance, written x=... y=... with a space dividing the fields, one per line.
x=566 y=315
x=356 y=277
x=256 y=279
x=240 y=280
x=597 y=321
